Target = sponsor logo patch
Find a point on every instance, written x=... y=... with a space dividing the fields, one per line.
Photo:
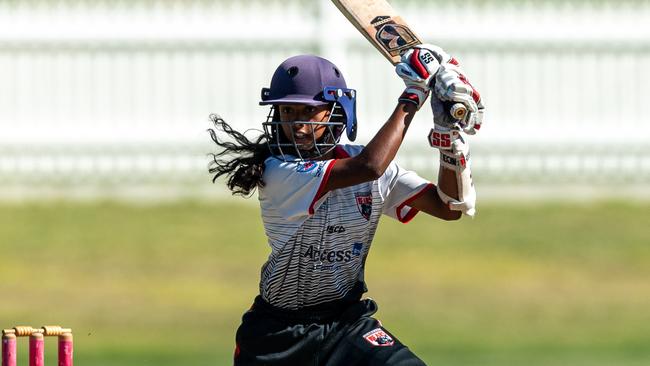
x=319 y=172
x=448 y=159
x=306 y=166
x=378 y=337
x=356 y=249
x=364 y=204
x=332 y=229
x=331 y=259
x=326 y=255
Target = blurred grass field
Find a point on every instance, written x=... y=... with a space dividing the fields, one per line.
x=536 y=284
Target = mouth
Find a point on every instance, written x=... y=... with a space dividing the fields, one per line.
x=302 y=139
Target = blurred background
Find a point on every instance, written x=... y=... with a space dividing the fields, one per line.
x=110 y=224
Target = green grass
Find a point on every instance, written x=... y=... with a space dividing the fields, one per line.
x=547 y=285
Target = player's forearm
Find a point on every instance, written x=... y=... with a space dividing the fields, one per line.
x=431 y=202
x=456 y=188
x=448 y=182
x=381 y=150
x=374 y=159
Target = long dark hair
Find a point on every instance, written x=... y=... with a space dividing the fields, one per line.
x=241 y=160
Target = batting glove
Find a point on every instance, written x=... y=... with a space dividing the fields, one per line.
x=451 y=86
x=417 y=69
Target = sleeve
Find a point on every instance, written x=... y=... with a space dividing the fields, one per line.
x=295 y=189
x=398 y=187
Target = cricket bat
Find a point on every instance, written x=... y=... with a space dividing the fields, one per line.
x=386 y=30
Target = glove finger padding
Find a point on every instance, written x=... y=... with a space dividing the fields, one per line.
x=410 y=76
x=417 y=69
x=417 y=81
x=417 y=88
x=452 y=86
x=441 y=116
x=475 y=120
x=423 y=62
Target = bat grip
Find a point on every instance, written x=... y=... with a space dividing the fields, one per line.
x=457 y=110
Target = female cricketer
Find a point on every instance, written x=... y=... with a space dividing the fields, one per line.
x=321 y=202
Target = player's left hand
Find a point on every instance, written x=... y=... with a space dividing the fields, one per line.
x=452 y=86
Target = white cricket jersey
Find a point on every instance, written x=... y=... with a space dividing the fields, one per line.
x=319 y=242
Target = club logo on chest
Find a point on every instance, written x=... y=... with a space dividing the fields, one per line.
x=364 y=204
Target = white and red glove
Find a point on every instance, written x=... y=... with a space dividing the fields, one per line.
x=417 y=69
x=452 y=87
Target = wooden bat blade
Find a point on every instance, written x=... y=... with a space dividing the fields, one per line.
x=387 y=31
x=381 y=26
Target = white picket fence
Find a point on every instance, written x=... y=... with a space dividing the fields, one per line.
x=117 y=93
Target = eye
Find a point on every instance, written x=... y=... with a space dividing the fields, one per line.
x=310 y=109
x=286 y=110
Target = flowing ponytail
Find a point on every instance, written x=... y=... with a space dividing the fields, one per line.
x=242 y=160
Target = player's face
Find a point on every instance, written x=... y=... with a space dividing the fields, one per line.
x=303 y=134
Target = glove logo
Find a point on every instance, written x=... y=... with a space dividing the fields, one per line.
x=393 y=37
x=439 y=140
x=364 y=204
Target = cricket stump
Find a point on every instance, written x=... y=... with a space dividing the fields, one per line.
x=8 y=350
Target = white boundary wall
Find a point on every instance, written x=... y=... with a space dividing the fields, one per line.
x=118 y=92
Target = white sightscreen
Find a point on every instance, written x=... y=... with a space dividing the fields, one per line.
x=95 y=92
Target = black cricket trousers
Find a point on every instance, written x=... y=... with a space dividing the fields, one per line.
x=349 y=336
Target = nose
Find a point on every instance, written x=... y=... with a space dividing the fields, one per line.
x=298 y=124
x=300 y=127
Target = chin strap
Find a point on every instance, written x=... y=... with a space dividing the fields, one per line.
x=457 y=158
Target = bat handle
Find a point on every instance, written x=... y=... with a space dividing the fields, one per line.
x=458 y=111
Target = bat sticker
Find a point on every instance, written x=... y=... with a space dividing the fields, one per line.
x=392 y=36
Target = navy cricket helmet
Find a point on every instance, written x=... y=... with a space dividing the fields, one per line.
x=315 y=81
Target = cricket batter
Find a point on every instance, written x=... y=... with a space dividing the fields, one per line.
x=321 y=203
